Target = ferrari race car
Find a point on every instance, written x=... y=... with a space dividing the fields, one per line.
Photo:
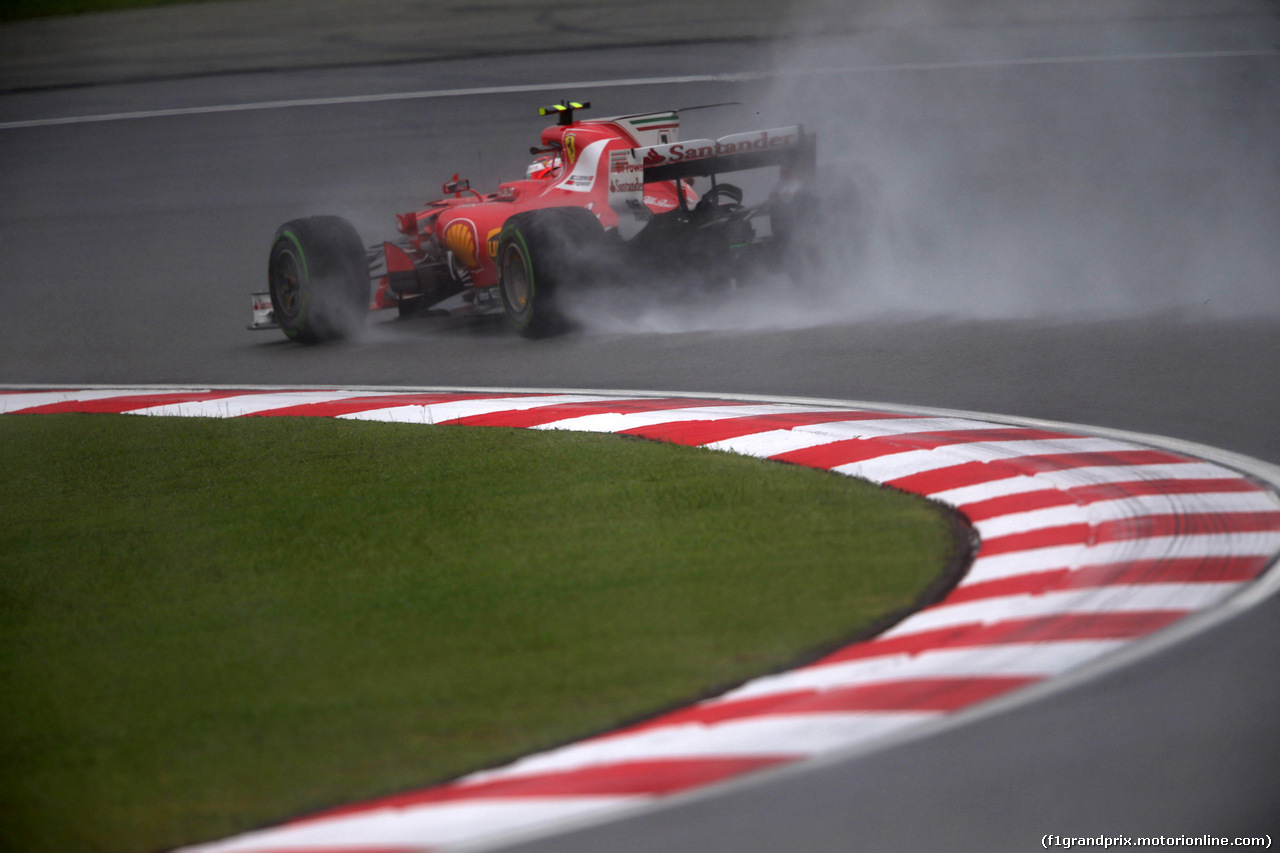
x=606 y=203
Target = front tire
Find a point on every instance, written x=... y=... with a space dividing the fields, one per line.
x=542 y=256
x=318 y=276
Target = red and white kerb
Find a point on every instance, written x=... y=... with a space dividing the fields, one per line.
x=1087 y=543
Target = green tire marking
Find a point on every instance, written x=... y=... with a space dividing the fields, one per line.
x=301 y=254
x=528 y=265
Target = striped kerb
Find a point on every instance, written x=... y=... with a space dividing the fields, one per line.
x=1087 y=544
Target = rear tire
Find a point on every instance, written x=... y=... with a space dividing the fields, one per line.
x=318 y=276
x=543 y=255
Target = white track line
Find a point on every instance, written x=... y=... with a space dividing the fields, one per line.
x=735 y=77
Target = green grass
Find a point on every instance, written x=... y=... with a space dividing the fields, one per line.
x=16 y=10
x=207 y=625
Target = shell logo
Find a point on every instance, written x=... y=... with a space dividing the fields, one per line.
x=460 y=238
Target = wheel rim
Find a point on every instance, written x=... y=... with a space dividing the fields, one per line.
x=517 y=285
x=286 y=283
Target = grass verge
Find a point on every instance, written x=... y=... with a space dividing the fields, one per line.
x=17 y=10
x=207 y=625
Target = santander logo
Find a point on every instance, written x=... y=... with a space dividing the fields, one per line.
x=759 y=140
x=653 y=158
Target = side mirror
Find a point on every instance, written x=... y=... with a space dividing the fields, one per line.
x=456 y=187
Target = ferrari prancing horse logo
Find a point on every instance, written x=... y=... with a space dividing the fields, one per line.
x=571 y=148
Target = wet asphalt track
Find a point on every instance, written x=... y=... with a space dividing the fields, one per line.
x=130 y=247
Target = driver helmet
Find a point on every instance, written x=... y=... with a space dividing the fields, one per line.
x=545 y=166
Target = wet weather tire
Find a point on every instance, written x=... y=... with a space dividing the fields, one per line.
x=543 y=255
x=319 y=279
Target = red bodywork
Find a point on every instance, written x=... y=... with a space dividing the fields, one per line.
x=631 y=173
x=467 y=225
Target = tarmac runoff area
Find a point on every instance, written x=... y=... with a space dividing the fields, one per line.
x=242 y=36
x=235 y=36
x=1097 y=548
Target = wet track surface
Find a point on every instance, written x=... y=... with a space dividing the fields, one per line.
x=1150 y=303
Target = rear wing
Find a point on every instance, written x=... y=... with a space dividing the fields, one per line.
x=789 y=147
x=631 y=168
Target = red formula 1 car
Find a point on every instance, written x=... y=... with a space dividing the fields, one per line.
x=606 y=203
